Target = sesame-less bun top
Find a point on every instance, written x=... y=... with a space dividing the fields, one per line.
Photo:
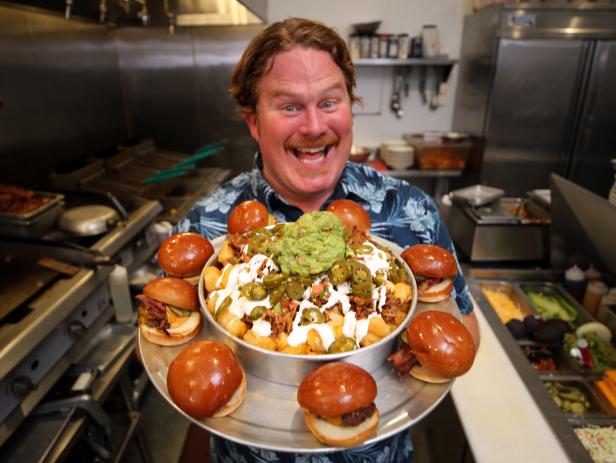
x=173 y=291
x=351 y=214
x=442 y=345
x=431 y=261
x=247 y=216
x=336 y=388
x=184 y=254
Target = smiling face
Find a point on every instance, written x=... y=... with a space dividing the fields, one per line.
x=303 y=126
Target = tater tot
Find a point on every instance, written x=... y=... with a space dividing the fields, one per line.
x=224 y=279
x=403 y=292
x=211 y=275
x=300 y=349
x=264 y=342
x=231 y=323
x=378 y=327
x=314 y=342
x=226 y=253
x=370 y=338
x=211 y=303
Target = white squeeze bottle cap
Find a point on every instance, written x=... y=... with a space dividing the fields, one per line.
x=120 y=294
x=575 y=273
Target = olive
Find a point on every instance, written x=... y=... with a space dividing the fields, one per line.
x=273 y=279
x=258 y=312
x=342 y=344
x=226 y=302
x=310 y=316
x=257 y=292
x=294 y=289
x=339 y=273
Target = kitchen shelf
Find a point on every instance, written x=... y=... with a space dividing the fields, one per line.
x=442 y=63
x=413 y=173
x=405 y=62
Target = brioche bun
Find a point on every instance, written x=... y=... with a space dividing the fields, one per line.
x=173 y=291
x=184 y=254
x=428 y=261
x=206 y=380
x=351 y=214
x=332 y=390
x=247 y=216
x=178 y=293
x=442 y=345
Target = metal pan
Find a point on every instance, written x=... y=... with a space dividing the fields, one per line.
x=88 y=220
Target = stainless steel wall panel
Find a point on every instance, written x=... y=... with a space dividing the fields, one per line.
x=590 y=164
x=217 y=50
x=61 y=89
x=533 y=92
x=157 y=71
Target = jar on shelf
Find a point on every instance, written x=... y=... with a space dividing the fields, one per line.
x=354 y=46
x=365 y=46
x=431 y=47
x=383 y=45
x=392 y=47
x=404 y=46
x=374 y=46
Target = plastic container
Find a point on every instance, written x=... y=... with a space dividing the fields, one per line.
x=575 y=282
x=120 y=294
x=434 y=151
x=431 y=46
x=595 y=290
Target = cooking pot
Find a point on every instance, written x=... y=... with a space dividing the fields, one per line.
x=89 y=220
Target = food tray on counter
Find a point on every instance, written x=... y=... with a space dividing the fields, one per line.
x=54 y=200
x=401 y=400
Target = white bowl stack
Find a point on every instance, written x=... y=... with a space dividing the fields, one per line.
x=397 y=154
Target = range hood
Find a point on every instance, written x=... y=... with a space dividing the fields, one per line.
x=121 y=13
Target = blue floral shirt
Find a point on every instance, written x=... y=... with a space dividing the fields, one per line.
x=399 y=212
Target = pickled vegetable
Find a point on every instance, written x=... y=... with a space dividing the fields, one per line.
x=258 y=312
x=310 y=316
x=570 y=399
x=342 y=344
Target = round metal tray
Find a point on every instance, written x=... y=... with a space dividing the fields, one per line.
x=270 y=417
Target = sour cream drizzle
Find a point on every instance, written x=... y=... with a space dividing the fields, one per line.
x=376 y=261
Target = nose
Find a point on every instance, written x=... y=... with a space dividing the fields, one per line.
x=314 y=123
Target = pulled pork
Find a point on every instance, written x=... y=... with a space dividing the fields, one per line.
x=153 y=313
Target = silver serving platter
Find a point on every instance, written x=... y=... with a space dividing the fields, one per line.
x=270 y=417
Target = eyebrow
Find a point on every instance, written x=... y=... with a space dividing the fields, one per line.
x=285 y=93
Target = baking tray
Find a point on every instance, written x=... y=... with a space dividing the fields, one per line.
x=34 y=227
x=477 y=195
x=54 y=201
x=402 y=401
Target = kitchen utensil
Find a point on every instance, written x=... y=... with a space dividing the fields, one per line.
x=88 y=220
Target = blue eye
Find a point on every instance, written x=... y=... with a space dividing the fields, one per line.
x=289 y=108
x=328 y=104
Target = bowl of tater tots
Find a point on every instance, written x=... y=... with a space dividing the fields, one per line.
x=288 y=297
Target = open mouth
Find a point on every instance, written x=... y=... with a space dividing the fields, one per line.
x=311 y=155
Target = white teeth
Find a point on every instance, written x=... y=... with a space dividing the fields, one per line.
x=311 y=150
x=312 y=161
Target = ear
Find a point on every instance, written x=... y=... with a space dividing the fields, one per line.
x=253 y=125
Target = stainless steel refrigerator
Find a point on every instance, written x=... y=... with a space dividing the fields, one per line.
x=538 y=83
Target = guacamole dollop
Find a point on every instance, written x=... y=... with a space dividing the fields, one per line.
x=311 y=245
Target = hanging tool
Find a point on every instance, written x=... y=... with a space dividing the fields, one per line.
x=395 y=105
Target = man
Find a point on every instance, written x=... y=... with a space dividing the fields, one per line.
x=294 y=87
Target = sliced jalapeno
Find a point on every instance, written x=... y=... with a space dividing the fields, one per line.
x=258 y=312
x=276 y=294
x=339 y=273
x=226 y=302
x=342 y=344
x=257 y=292
x=362 y=289
x=273 y=279
x=361 y=273
x=363 y=249
x=404 y=337
x=379 y=279
x=310 y=316
x=294 y=289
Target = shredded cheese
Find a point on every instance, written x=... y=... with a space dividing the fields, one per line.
x=599 y=441
x=502 y=304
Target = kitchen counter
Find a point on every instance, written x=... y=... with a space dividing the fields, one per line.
x=500 y=415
